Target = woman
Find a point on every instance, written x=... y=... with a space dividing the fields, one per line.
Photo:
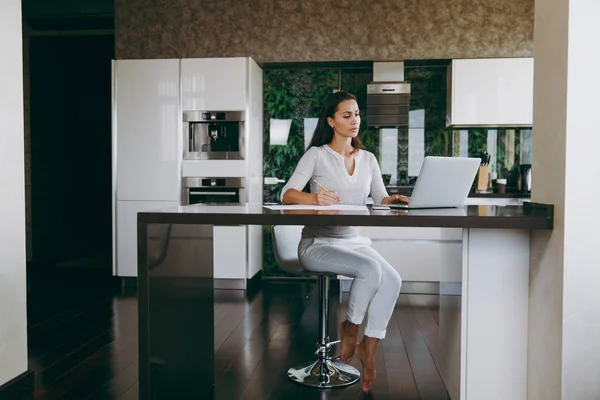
x=337 y=160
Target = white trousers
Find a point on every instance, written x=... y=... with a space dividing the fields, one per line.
x=376 y=284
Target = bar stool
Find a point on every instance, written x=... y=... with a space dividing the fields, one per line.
x=324 y=372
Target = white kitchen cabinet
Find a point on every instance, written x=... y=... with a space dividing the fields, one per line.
x=229 y=244
x=490 y=92
x=214 y=84
x=255 y=250
x=215 y=168
x=145 y=149
x=145 y=130
x=254 y=129
x=418 y=254
x=187 y=244
x=149 y=97
x=125 y=257
x=419 y=261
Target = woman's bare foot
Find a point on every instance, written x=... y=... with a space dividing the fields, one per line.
x=365 y=351
x=349 y=337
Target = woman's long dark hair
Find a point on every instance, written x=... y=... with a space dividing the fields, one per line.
x=324 y=132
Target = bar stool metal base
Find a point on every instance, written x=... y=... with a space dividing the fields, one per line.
x=324 y=374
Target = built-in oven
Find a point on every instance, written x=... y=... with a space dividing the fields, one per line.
x=213 y=135
x=206 y=190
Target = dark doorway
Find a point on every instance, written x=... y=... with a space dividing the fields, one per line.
x=70 y=89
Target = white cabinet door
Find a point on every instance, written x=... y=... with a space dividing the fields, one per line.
x=497 y=92
x=229 y=249
x=420 y=260
x=214 y=84
x=126 y=243
x=418 y=254
x=146 y=126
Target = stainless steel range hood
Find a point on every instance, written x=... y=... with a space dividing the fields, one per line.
x=388 y=96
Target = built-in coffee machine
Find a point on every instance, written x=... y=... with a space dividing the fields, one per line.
x=213 y=135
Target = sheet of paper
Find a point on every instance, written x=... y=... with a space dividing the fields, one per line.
x=341 y=207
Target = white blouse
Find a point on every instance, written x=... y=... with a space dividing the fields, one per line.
x=327 y=166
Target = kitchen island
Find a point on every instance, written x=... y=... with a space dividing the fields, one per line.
x=483 y=298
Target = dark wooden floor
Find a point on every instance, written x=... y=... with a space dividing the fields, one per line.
x=83 y=343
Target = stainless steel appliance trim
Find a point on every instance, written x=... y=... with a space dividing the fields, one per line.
x=196 y=116
x=209 y=155
x=390 y=88
x=113 y=139
x=213 y=193
x=196 y=182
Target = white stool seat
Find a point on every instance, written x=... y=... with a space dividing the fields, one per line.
x=285 y=247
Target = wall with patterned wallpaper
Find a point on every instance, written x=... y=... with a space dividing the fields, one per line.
x=324 y=30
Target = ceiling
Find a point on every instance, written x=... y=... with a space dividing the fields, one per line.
x=68 y=14
x=67 y=7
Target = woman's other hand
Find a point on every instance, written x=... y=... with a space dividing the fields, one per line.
x=327 y=197
x=396 y=198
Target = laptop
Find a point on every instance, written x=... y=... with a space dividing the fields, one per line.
x=443 y=182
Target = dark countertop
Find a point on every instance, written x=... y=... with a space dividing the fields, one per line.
x=511 y=193
x=528 y=216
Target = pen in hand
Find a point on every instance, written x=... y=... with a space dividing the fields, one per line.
x=328 y=194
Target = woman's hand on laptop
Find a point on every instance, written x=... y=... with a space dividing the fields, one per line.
x=396 y=198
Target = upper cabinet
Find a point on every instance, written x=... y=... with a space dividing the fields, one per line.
x=214 y=84
x=146 y=129
x=490 y=92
